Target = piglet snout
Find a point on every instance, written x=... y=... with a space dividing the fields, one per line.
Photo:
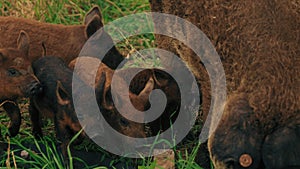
x=33 y=88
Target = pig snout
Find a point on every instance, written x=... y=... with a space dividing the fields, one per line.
x=33 y=88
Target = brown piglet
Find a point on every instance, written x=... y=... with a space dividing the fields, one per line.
x=65 y=41
x=16 y=80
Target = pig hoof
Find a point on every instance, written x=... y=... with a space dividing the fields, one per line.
x=13 y=131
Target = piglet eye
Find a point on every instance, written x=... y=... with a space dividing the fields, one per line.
x=124 y=122
x=13 y=72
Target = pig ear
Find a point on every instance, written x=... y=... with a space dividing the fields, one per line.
x=61 y=94
x=160 y=77
x=44 y=49
x=103 y=93
x=93 y=21
x=72 y=64
x=93 y=26
x=144 y=94
x=2 y=58
x=23 y=42
x=94 y=11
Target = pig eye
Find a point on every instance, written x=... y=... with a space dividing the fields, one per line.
x=13 y=72
x=124 y=122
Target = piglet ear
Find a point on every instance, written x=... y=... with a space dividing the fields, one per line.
x=44 y=49
x=144 y=94
x=141 y=101
x=61 y=94
x=103 y=92
x=72 y=64
x=93 y=21
x=23 y=42
x=2 y=58
x=94 y=11
x=93 y=26
x=160 y=77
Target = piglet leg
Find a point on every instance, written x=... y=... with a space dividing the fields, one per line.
x=35 y=120
x=14 y=114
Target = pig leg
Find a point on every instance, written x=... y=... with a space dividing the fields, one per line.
x=14 y=114
x=35 y=120
x=62 y=134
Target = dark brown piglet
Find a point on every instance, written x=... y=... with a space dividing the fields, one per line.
x=137 y=87
x=102 y=85
x=162 y=81
x=57 y=101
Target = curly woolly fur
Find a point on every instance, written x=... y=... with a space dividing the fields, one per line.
x=258 y=42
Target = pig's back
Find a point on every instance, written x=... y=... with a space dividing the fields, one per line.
x=49 y=70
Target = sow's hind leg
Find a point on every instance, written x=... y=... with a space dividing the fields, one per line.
x=14 y=114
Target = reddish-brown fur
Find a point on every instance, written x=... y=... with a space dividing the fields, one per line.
x=104 y=75
x=16 y=81
x=111 y=113
x=258 y=42
x=60 y=40
x=161 y=81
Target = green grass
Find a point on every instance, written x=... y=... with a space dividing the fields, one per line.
x=72 y=12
